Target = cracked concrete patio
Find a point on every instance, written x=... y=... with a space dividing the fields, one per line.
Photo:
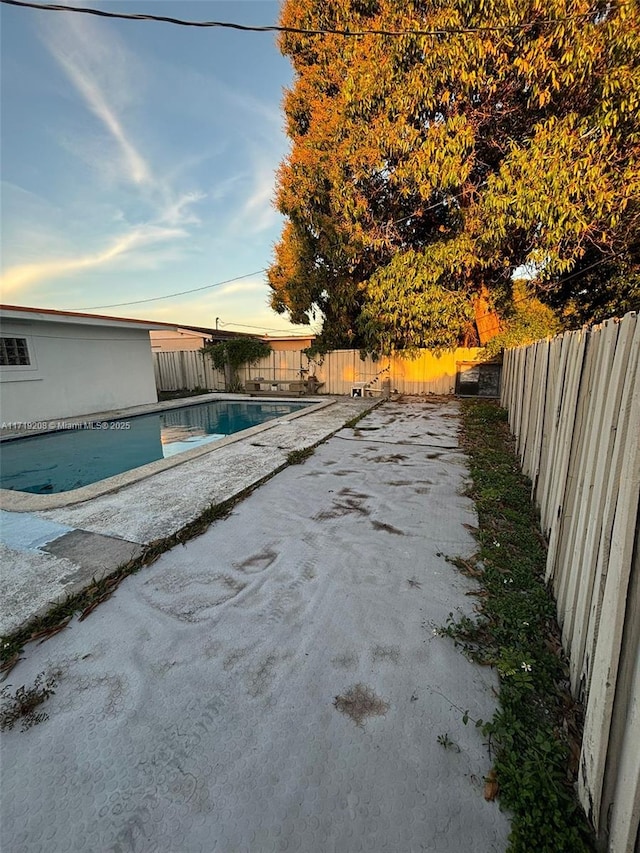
x=278 y=683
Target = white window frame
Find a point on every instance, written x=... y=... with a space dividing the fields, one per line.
x=21 y=372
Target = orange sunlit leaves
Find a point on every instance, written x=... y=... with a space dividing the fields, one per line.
x=424 y=171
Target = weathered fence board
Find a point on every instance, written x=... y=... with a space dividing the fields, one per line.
x=574 y=407
x=339 y=371
x=615 y=569
x=180 y=369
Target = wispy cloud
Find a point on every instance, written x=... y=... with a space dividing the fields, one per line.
x=239 y=287
x=257 y=212
x=177 y=211
x=96 y=62
x=19 y=277
x=105 y=77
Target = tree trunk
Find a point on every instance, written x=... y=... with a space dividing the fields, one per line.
x=487 y=321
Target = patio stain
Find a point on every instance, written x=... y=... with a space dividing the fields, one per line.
x=309 y=572
x=257 y=562
x=360 y=702
x=388 y=528
x=352 y=505
x=386 y=653
x=262 y=677
x=191 y=608
x=349 y=660
x=234 y=657
x=287 y=604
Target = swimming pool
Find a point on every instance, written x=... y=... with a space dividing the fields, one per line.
x=86 y=453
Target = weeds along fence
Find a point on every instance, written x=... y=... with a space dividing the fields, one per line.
x=339 y=371
x=574 y=407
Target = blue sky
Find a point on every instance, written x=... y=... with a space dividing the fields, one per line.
x=139 y=159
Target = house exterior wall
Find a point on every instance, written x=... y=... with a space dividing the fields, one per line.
x=289 y=344
x=75 y=369
x=180 y=340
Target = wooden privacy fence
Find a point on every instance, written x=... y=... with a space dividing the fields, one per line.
x=339 y=371
x=574 y=407
x=186 y=369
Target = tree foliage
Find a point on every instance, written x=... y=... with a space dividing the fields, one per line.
x=524 y=319
x=232 y=354
x=425 y=169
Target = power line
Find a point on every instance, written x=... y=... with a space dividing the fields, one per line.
x=442 y=31
x=560 y=279
x=171 y=295
x=266 y=328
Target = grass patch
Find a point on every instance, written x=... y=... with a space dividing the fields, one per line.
x=536 y=731
x=22 y=706
x=297 y=457
x=350 y=424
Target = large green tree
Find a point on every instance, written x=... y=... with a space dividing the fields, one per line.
x=424 y=169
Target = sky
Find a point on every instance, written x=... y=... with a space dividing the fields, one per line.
x=139 y=160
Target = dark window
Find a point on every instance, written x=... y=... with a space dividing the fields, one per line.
x=13 y=352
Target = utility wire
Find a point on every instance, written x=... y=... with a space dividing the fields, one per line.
x=239 y=277
x=560 y=280
x=266 y=328
x=170 y=295
x=442 y=31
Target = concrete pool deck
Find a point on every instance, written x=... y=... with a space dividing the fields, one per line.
x=49 y=554
x=16 y=501
x=279 y=683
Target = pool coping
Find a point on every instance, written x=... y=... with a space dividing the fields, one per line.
x=15 y=501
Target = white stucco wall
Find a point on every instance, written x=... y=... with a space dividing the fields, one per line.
x=76 y=369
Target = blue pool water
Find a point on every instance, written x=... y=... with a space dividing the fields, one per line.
x=70 y=458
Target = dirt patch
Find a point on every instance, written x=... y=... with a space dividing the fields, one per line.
x=360 y=702
x=388 y=528
x=351 y=493
x=350 y=506
x=393 y=457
